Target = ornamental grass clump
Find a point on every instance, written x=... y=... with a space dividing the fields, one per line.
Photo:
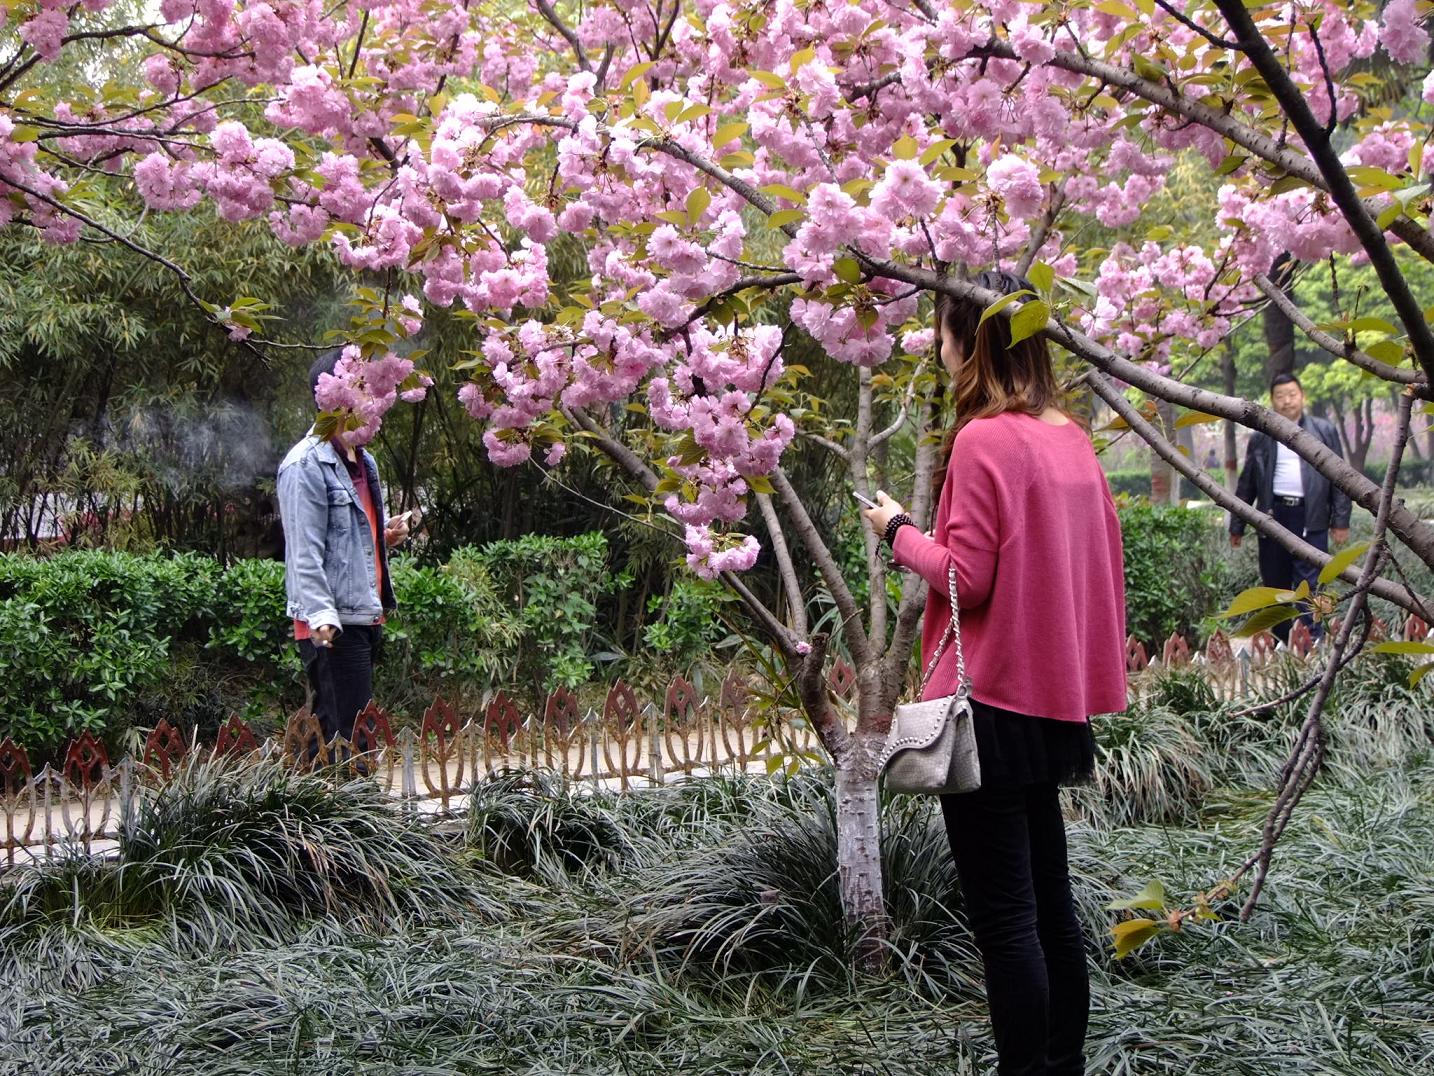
x=764 y=902
x=533 y=824
x=1150 y=767
x=224 y=855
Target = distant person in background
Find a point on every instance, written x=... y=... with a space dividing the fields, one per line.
x=336 y=565
x=1278 y=481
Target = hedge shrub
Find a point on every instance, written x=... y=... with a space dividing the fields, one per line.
x=111 y=641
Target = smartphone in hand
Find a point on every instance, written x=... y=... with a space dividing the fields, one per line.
x=867 y=501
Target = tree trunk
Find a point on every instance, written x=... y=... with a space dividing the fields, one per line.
x=1279 y=330
x=858 y=822
x=1363 y=434
x=1164 y=483
x=1227 y=374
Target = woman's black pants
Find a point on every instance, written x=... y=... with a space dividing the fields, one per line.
x=1010 y=849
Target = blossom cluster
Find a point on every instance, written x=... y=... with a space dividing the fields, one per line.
x=960 y=135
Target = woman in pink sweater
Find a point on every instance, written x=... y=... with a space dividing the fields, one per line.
x=1026 y=516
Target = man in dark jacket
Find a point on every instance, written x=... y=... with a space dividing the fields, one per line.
x=1281 y=483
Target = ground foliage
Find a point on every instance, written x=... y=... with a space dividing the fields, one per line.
x=265 y=922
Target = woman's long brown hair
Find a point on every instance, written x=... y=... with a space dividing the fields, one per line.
x=992 y=377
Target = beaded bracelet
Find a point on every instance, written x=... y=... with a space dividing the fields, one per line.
x=901 y=519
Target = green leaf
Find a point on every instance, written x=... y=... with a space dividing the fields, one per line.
x=781 y=190
x=1029 y=320
x=1131 y=935
x=1001 y=304
x=1402 y=647
x=905 y=148
x=692 y=112
x=697 y=203
x=1151 y=898
x=1370 y=177
x=1266 y=619
x=1287 y=183
x=770 y=79
x=847 y=269
x=1147 y=69
x=1247 y=601
x=1390 y=351
x=1370 y=324
x=728 y=132
x=934 y=151
x=327 y=424
x=1230 y=163
x=1419 y=673
x=1042 y=276
x=782 y=217
x=635 y=72
x=1194 y=418
x=1340 y=561
x=759 y=483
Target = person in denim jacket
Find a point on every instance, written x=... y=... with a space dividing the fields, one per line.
x=336 y=566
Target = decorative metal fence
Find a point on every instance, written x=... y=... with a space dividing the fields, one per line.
x=86 y=800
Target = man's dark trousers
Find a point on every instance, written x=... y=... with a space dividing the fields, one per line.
x=342 y=677
x=1281 y=568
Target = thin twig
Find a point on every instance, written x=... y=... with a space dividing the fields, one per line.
x=1305 y=760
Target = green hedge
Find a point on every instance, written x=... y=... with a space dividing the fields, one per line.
x=115 y=641
x=112 y=641
x=1179 y=570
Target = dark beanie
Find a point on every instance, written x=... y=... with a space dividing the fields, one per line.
x=324 y=364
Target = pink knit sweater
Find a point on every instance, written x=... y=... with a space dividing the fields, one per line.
x=1027 y=517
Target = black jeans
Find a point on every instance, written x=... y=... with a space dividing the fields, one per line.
x=1010 y=848
x=1281 y=568
x=342 y=676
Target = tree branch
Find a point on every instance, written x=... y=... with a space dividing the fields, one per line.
x=1357 y=212
x=625 y=457
x=1265 y=524
x=1416 y=533
x=914 y=590
x=1042 y=228
x=1191 y=24
x=1338 y=348
x=629 y=461
x=812 y=690
x=856 y=638
x=780 y=634
x=1308 y=752
x=1244 y=136
x=826 y=442
x=785 y=568
x=858 y=459
x=567 y=31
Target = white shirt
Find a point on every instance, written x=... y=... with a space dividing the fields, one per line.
x=1288 y=480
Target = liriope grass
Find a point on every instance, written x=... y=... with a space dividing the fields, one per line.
x=224 y=855
x=266 y=922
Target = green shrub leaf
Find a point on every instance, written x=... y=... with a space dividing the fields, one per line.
x=1131 y=935
x=1340 y=561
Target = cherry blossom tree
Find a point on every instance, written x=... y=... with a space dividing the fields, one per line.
x=732 y=173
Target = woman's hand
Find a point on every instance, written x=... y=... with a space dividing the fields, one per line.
x=881 y=515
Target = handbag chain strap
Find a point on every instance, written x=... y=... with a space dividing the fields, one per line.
x=953 y=631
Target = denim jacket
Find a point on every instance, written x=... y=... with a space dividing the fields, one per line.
x=328 y=545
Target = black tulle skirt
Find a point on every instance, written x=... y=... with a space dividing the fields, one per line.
x=1018 y=749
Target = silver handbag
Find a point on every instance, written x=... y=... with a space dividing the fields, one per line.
x=931 y=748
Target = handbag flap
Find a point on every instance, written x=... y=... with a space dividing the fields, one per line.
x=918 y=724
